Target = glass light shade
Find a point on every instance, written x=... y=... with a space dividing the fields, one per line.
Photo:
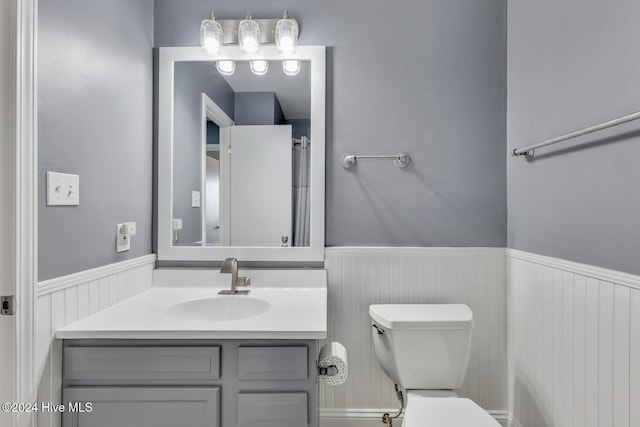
x=259 y=67
x=287 y=36
x=211 y=36
x=226 y=67
x=291 y=67
x=249 y=37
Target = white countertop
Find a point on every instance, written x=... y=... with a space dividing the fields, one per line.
x=296 y=301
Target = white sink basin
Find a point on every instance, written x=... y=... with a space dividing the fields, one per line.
x=184 y=304
x=219 y=309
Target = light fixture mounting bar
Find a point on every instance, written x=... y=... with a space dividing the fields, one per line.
x=267 y=30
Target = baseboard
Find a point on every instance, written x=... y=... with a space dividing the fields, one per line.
x=354 y=417
x=359 y=417
x=58 y=283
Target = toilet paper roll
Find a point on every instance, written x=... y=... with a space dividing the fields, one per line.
x=333 y=355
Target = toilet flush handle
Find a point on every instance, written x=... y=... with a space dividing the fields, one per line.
x=379 y=329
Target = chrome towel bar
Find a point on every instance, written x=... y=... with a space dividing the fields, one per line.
x=529 y=150
x=400 y=160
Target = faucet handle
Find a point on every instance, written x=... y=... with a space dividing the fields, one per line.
x=243 y=281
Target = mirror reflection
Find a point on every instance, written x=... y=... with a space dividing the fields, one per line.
x=241 y=155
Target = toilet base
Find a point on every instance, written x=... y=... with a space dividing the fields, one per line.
x=443 y=408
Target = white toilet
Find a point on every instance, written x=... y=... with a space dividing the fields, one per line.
x=424 y=348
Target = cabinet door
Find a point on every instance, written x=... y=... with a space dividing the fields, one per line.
x=143 y=406
x=272 y=410
x=272 y=363
x=125 y=365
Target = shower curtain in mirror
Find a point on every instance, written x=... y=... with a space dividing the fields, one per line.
x=301 y=192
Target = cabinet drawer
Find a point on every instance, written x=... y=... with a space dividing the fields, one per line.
x=272 y=410
x=143 y=406
x=272 y=363
x=141 y=363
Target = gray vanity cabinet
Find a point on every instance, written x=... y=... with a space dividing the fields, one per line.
x=203 y=383
x=144 y=406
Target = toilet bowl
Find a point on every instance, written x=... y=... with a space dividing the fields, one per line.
x=424 y=348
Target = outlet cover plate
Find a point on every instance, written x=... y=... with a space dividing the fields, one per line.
x=123 y=240
x=195 y=199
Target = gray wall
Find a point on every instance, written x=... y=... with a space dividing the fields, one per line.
x=257 y=108
x=432 y=84
x=94 y=119
x=580 y=200
x=191 y=80
x=300 y=127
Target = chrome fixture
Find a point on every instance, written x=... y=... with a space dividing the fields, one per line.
x=529 y=151
x=230 y=265
x=400 y=160
x=250 y=34
x=387 y=418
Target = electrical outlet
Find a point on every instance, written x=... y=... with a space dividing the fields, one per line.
x=123 y=242
x=176 y=224
x=124 y=232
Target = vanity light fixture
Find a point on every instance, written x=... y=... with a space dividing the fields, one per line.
x=226 y=68
x=259 y=67
x=211 y=35
x=286 y=35
x=291 y=67
x=249 y=36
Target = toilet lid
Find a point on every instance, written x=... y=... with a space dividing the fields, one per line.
x=446 y=412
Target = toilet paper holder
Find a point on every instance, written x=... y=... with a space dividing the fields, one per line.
x=329 y=371
x=331 y=364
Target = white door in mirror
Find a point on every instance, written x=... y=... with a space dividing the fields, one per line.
x=63 y=189
x=124 y=232
x=261 y=177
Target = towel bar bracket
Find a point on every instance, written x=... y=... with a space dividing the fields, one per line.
x=528 y=155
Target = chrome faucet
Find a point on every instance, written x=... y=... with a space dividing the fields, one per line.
x=230 y=265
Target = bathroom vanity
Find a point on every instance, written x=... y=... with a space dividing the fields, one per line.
x=155 y=383
x=184 y=355
x=180 y=354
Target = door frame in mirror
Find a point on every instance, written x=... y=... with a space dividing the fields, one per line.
x=211 y=111
x=167 y=57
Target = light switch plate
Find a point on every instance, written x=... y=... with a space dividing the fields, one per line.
x=63 y=189
x=195 y=199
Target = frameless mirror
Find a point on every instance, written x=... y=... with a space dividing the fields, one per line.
x=241 y=155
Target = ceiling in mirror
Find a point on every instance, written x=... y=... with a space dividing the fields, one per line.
x=293 y=92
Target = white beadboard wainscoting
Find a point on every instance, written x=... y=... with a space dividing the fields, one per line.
x=64 y=300
x=358 y=277
x=574 y=343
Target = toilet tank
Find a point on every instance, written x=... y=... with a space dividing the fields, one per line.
x=423 y=346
